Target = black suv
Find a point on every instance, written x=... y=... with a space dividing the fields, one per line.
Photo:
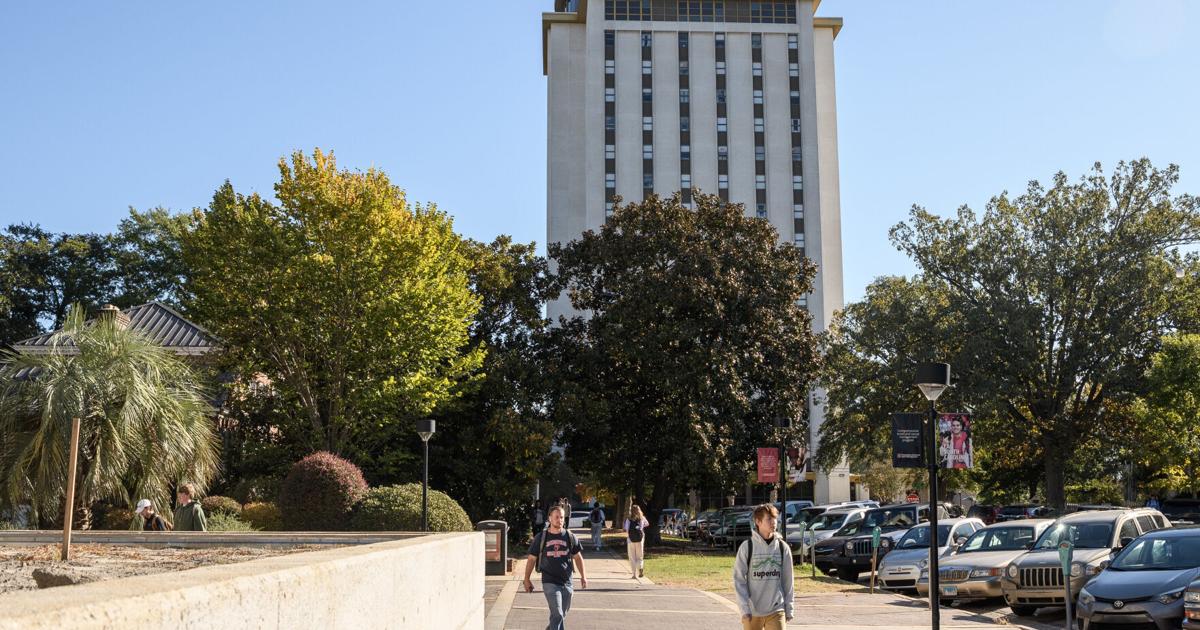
x=893 y=521
x=829 y=550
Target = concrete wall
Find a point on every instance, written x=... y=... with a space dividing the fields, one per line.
x=434 y=581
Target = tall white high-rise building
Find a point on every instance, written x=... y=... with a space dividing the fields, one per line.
x=733 y=97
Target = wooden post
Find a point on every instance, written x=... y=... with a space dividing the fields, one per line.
x=69 y=509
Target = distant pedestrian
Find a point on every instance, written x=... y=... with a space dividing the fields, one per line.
x=762 y=575
x=1153 y=503
x=551 y=553
x=635 y=533
x=146 y=519
x=189 y=516
x=596 y=518
x=538 y=518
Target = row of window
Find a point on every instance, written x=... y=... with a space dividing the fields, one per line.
x=738 y=11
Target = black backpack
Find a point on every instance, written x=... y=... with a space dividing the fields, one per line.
x=635 y=531
x=594 y=517
x=571 y=544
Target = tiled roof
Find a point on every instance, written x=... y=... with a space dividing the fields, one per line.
x=158 y=322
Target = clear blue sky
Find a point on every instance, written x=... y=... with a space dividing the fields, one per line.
x=117 y=104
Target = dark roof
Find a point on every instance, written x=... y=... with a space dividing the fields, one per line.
x=158 y=322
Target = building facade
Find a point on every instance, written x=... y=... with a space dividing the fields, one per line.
x=729 y=97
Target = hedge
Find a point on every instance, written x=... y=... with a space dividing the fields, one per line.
x=398 y=508
x=218 y=504
x=264 y=516
x=319 y=493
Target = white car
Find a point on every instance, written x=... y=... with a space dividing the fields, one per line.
x=578 y=520
x=901 y=568
x=822 y=527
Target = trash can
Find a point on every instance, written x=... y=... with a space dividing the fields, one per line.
x=495 y=546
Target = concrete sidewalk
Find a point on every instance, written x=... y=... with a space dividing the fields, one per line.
x=615 y=600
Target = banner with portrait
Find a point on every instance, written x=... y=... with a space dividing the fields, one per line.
x=956 y=448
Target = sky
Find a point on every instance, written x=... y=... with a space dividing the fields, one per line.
x=107 y=106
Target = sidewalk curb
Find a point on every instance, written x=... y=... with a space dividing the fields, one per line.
x=498 y=615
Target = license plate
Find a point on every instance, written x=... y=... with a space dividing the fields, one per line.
x=949 y=591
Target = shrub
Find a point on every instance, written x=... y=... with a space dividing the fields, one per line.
x=116 y=518
x=5 y=526
x=226 y=522
x=264 y=516
x=257 y=490
x=218 y=505
x=319 y=493
x=398 y=508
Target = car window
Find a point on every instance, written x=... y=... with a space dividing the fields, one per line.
x=1083 y=535
x=999 y=539
x=1146 y=523
x=1129 y=530
x=918 y=537
x=1159 y=554
x=1161 y=520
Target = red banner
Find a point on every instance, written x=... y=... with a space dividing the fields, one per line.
x=768 y=465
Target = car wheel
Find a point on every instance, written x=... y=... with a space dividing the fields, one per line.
x=850 y=575
x=1024 y=611
x=825 y=568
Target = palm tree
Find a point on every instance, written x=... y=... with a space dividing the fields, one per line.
x=144 y=420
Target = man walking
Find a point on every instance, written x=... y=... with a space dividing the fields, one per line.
x=551 y=553
x=596 y=518
x=189 y=516
x=762 y=575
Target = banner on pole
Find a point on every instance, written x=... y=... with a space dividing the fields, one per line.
x=798 y=465
x=768 y=465
x=957 y=448
x=908 y=440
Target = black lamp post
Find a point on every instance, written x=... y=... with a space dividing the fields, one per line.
x=933 y=379
x=425 y=429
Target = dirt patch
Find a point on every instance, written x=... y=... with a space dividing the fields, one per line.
x=93 y=563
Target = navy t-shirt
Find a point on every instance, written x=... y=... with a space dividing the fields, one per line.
x=556 y=561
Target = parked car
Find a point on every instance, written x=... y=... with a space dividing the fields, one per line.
x=1017 y=512
x=793 y=508
x=1182 y=511
x=696 y=527
x=1145 y=583
x=985 y=513
x=894 y=521
x=668 y=513
x=720 y=535
x=579 y=518
x=829 y=550
x=1191 y=606
x=1035 y=579
x=901 y=568
x=822 y=527
x=973 y=571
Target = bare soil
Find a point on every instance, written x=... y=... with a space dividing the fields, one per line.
x=92 y=563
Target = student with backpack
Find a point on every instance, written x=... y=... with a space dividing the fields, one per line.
x=762 y=575
x=596 y=518
x=551 y=554
x=635 y=532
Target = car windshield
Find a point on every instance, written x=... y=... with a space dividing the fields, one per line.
x=918 y=537
x=827 y=521
x=1159 y=554
x=806 y=515
x=1083 y=535
x=891 y=520
x=999 y=539
x=850 y=530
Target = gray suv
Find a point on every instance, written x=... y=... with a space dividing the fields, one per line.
x=1035 y=580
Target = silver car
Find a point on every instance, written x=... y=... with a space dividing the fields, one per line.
x=900 y=569
x=973 y=571
x=1146 y=582
x=1035 y=579
x=822 y=527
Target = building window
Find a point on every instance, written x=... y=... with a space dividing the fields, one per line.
x=647 y=67
x=685 y=181
x=761 y=210
x=799 y=240
x=722 y=124
x=793 y=69
x=793 y=42
x=795 y=125
x=757 y=69
x=610 y=123
x=647 y=95
x=610 y=38
x=797 y=211
x=760 y=153
x=683 y=67
x=610 y=66
x=720 y=39
x=758 y=97
x=610 y=95
x=684 y=123
x=795 y=96
x=803 y=301
x=720 y=95
x=720 y=67
x=683 y=95
x=610 y=180
x=608 y=208
x=797 y=182
x=722 y=153
x=759 y=125
x=683 y=40
x=647 y=40
x=610 y=152
x=756 y=40
x=647 y=123
x=647 y=151
x=760 y=182
x=797 y=154
x=685 y=152
x=723 y=182
x=648 y=181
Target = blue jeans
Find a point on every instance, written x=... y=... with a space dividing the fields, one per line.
x=596 y=530
x=558 y=597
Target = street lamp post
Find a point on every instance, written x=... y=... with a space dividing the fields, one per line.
x=933 y=379
x=425 y=429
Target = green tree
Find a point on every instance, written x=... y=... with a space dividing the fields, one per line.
x=694 y=347
x=145 y=421
x=1059 y=298
x=354 y=303
x=147 y=251
x=1169 y=414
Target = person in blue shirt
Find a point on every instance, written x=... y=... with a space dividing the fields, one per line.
x=551 y=553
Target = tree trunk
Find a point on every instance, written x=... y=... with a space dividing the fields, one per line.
x=1055 y=474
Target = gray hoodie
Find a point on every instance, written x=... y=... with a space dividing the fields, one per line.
x=768 y=588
